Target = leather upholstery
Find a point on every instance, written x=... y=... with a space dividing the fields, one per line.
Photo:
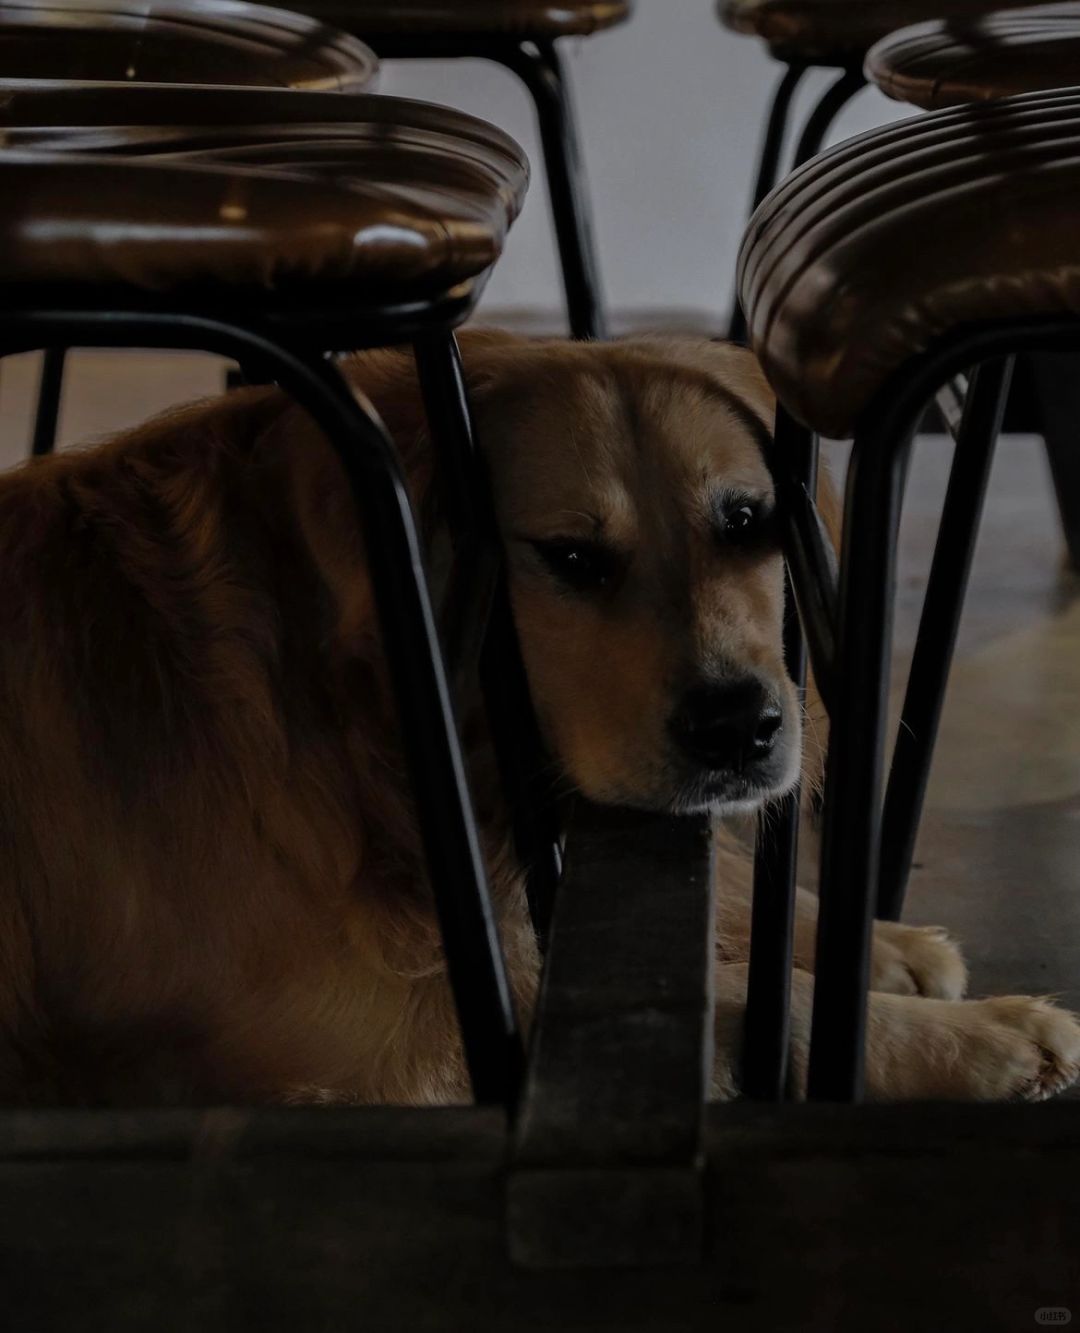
x=866 y=255
x=123 y=228
x=836 y=32
x=467 y=18
x=945 y=64
x=470 y=171
x=380 y=192
x=72 y=103
x=226 y=42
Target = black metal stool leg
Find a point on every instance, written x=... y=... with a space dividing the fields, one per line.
x=768 y=994
x=476 y=968
x=852 y=810
x=440 y=787
x=50 y=390
x=484 y=609
x=769 y=165
x=829 y=105
x=540 y=68
x=938 y=625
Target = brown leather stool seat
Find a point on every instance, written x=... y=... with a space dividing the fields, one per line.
x=834 y=32
x=227 y=42
x=856 y=263
x=946 y=64
x=439 y=189
x=151 y=227
x=380 y=141
x=471 y=18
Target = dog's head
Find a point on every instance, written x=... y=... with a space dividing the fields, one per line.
x=636 y=504
x=635 y=499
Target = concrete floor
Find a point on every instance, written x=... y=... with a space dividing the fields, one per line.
x=999 y=854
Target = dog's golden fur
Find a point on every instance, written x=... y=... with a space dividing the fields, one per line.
x=210 y=883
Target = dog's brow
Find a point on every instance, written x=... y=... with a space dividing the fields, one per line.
x=596 y=522
x=744 y=414
x=720 y=499
x=736 y=406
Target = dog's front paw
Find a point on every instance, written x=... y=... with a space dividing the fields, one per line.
x=916 y=960
x=1024 y=1049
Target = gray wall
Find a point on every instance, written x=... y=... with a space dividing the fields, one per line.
x=671 y=107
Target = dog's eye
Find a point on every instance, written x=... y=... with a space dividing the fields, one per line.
x=740 y=520
x=583 y=566
x=744 y=523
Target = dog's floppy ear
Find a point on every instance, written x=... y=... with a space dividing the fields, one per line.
x=315 y=495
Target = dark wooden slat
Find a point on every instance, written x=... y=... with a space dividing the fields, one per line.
x=825 y=1219
x=411 y=1134
x=606 y=1165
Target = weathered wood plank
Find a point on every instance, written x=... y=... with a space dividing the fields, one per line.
x=232 y=1133
x=819 y=1219
x=607 y=1153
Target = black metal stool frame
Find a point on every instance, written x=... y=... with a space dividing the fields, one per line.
x=296 y=348
x=858 y=671
x=818 y=123
x=538 y=64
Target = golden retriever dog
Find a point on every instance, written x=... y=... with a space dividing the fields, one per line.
x=210 y=881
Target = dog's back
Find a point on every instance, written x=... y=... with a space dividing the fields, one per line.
x=180 y=782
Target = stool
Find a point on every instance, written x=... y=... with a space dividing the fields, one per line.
x=181 y=41
x=471 y=175
x=937 y=65
x=304 y=267
x=228 y=43
x=826 y=34
x=933 y=65
x=869 y=278
x=522 y=35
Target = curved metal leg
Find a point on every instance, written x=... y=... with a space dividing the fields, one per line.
x=769 y=165
x=768 y=993
x=436 y=768
x=477 y=972
x=938 y=625
x=852 y=811
x=486 y=635
x=829 y=105
x=831 y=102
x=540 y=68
x=50 y=390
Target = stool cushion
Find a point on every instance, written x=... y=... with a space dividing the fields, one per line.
x=835 y=32
x=329 y=235
x=467 y=170
x=224 y=42
x=454 y=168
x=467 y=18
x=945 y=64
x=865 y=256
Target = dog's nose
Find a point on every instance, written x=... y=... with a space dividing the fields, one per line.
x=727 y=725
